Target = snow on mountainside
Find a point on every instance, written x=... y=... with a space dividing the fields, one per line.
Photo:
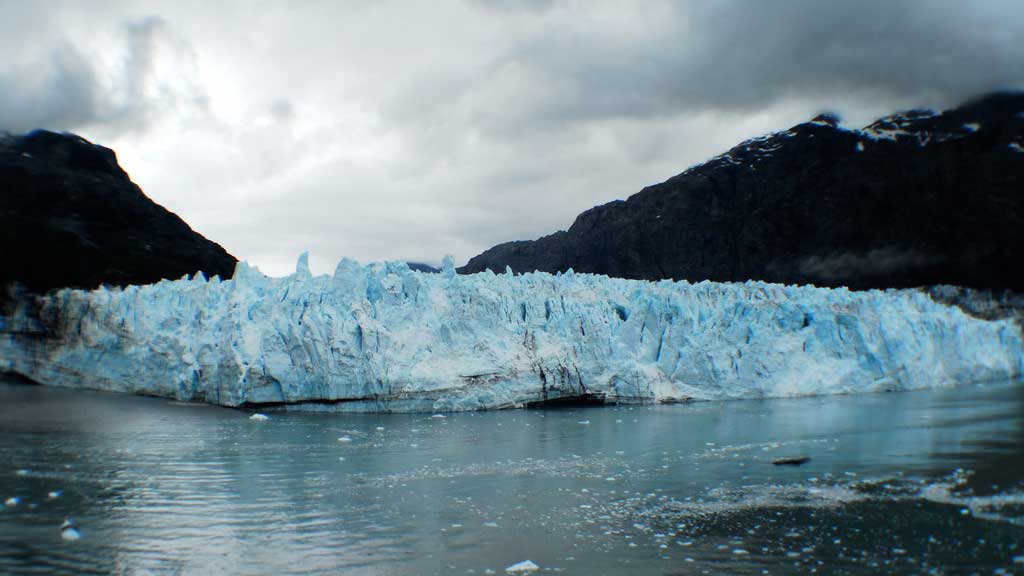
x=914 y=199
x=385 y=338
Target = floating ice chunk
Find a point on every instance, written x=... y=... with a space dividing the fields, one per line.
x=972 y=126
x=438 y=416
x=380 y=428
x=584 y=422
x=740 y=551
x=23 y=472
x=524 y=567
x=259 y=417
x=54 y=494
x=345 y=439
x=490 y=524
x=12 y=501
x=68 y=530
x=859 y=147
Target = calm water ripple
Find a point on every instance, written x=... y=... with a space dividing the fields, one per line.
x=915 y=483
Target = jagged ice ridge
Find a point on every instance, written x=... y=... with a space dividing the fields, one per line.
x=384 y=338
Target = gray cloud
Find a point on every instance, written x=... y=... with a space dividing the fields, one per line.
x=390 y=130
x=67 y=92
x=939 y=50
x=736 y=55
x=66 y=95
x=510 y=5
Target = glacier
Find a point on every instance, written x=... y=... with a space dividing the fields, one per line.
x=381 y=337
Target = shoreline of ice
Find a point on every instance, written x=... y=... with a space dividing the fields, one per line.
x=384 y=338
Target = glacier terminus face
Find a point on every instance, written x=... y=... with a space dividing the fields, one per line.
x=382 y=337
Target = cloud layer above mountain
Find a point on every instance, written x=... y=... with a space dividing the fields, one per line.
x=400 y=130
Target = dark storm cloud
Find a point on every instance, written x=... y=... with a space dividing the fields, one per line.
x=65 y=95
x=391 y=129
x=65 y=91
x=751 y=52
x=741 y=55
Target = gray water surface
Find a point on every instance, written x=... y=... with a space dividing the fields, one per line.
x=910 y=483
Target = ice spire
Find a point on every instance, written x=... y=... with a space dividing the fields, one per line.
x=448 y=266
x=302 y=266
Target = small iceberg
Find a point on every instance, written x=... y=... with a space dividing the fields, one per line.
x=68 y=531
x=524 y=567
x=257 y=417
x=796 y=461
x=12 y=501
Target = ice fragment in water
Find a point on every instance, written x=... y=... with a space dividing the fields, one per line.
x=523 y=567
x=68 y=531
x=259 y=417
x=799 y=461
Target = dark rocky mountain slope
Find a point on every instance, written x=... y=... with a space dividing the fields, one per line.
x=913 y=199
x=71 y=217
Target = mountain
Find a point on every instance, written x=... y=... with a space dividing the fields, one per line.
x=917 y=198
x=71 y=217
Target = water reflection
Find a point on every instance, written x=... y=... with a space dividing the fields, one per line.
x=164 y=487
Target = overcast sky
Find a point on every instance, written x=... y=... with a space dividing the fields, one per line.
x=407 y=130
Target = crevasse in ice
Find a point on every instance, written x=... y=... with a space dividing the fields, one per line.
x=382 y=337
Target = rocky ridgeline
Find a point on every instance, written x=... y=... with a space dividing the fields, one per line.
x=71 y=217
x=914 y=199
